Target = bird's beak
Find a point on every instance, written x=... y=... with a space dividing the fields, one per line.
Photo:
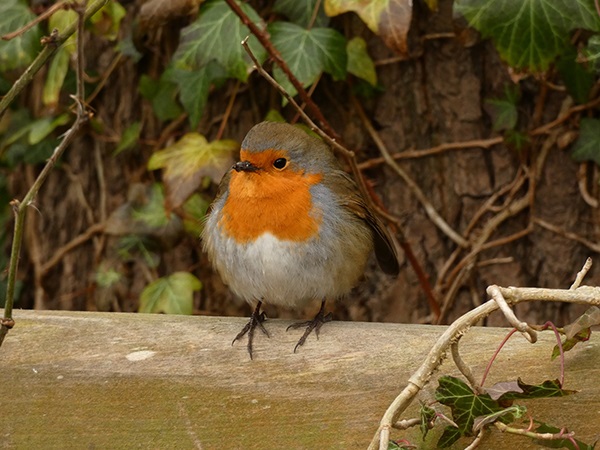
x=245 y=166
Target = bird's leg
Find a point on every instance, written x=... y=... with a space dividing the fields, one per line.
x=256 y=320
x=314 y=324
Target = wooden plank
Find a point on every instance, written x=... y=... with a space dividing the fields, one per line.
x=106 y=380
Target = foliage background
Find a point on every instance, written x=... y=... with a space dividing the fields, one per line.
x=116 y=225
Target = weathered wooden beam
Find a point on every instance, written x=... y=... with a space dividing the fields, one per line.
x=104 y=380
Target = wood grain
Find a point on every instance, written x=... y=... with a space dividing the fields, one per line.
x=107 y=380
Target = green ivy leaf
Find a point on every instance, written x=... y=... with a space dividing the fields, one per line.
x=163 y=95
x=427 y=416
x=529 y=33
x=301 y=13
x=465 y=406
x=130 y=137
x=503 y=111
x=587 y=147
x=107 y=21
x=592 y=52
x=152 y=212
x=360 y=63
x=173 y=294
x=217 y=35
x=389 y=19
x=578 y=78
x=134 y=246
x=194 y=212
x=144 y=223
x=106 y=277
x=194 y=88
x=190 y=159
x=57 y=71
x=308 y=53
x=549 y=388
x=20 y=51
x=41 y=128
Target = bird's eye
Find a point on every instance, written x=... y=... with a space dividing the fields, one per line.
x=280 y=163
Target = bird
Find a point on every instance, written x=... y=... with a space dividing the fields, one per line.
x=289 y=226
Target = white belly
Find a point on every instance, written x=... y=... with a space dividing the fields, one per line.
x=285 y=273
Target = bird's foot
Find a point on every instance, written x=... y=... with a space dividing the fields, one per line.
x=256 y=321
x=314 y=324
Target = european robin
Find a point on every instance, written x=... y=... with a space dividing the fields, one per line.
x=288 y=226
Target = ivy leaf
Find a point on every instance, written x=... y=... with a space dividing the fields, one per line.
x=217 y=35
x=579 y=331
x=529 y=33
x=194 y=86
x=301 y=13
x=188 y=160
x=465 y=406
x=592 y=52
x=449 y=437
x=427 y=416
x=360 y=63
x=173 y=294
x=41 y=128
x=59 y=65
x=308 y=53
x=587 y=147
x=21 y=50
x=389 y=19
x=163 y=95
x=129 y=138
x=152 y=212
x=194 y=212
x=578 y=78
x=503 y=111
x=137 y=247
x=144 y=215
x=560 y=443
x=107 y=21
x=549 y=388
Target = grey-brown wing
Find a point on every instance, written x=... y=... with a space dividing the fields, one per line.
x=385 y=251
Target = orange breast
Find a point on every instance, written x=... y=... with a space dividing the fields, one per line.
x=270 y=201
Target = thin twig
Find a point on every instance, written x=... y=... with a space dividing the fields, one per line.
x=533 y=435
x=583 y=186
x=563 y=117
x=473 y=445
x=228 y=110
x=582 y=273
x=495 y=355
x=569 y=235
x=549 y=324
x=51 y=10
x=464 y=368
x=59 y=253
x=406 y=424
x=494 y=292
x=415 y=154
